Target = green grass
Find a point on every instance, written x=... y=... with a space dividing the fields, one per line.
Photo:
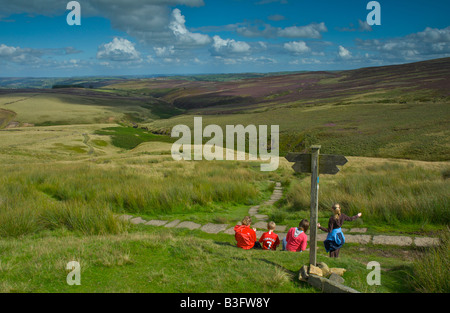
x=83 y=197
x=199 y=263
x=392 y=196
x=431 y=268
x=129 y=137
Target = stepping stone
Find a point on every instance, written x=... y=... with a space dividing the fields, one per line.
x=214 y=228
x=260 y=225
x=156 y=223
x=358 y=230
x=259 y=233
x=280 y=228
x=363 y=239
x=392 y=240
x=125 y=217
x=190 y=225
x=320 y=237
x=278 y=184
x=138 y=220
x=262 y=217
x=426 y=241
x=172 y=224
x=229 y=231
x=253 y=210
x=281 y=236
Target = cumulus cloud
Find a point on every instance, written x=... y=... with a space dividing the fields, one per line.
x=429 y=43
x=228 y=46
x=146 y=20
x=313 y=30
x=178 y=27
x=18 y=55
x=344 y=53
x=164 y=51
x=120 y=49
x=297 y=47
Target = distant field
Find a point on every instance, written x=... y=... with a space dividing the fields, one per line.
x=413 y=131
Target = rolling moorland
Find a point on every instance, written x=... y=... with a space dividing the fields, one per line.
x=74 y=159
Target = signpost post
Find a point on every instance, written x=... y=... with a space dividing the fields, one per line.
x=315 y=164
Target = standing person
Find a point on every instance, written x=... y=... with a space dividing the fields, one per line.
x=246 y=236
x=336 y=239
x=296 y=239
x=269 y=239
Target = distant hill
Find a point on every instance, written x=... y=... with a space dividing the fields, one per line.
x=400 y=111
x=297 y=88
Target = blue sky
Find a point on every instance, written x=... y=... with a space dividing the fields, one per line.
x=146 y=37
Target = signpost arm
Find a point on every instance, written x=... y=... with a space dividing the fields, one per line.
x=314 y=203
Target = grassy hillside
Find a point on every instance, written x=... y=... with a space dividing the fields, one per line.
x=73 y=159
x=394 y=111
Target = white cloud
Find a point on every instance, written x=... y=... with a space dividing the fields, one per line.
x=229 y=46
x=23 y=56
x=178 y=27
x=164 y=51
x=120 y=49
x=344 y=53
x=147 y=20
x=427 y=44
x=313 y=30
x=297 y=47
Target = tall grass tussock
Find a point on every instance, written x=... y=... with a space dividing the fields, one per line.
x=388 y=193
x=84 y=198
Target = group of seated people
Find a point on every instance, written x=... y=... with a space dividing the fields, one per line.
x=295 y=239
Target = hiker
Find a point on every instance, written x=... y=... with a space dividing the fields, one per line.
x=336 y=239
x=246 y=236
x=296 y=239
x=269 y=239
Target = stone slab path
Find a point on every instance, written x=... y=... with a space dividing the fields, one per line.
x=352 y=235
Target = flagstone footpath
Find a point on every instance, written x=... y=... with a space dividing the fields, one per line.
x=353 y=235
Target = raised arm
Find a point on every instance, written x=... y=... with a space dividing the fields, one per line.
x=352 y=218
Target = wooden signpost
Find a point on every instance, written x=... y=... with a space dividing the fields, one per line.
x=315 y=164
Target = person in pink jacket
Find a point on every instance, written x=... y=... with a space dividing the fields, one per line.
x=296 y=239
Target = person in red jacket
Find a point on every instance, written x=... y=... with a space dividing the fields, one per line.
x=296 y=239
x=246 y=236
x=270 y=240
